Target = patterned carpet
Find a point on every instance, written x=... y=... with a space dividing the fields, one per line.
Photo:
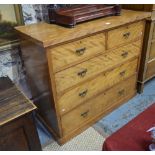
x=89 y=140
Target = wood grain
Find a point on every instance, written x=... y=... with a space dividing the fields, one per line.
x=13 y=103
x=148 y=43
x=141 y=7
x=152 y=51
x=138 y=43
x=83 y=92
x=38 y=80
x=150 y=71
x=50 y=34
x=69 y=77
x=97 y=105
x=75 y=52
x=83 y=76
x=20 y=135
x=125 y=34
x=93 y=120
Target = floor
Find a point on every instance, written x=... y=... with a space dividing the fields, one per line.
x=112 y=122
x=128 y=111
x=89 y=140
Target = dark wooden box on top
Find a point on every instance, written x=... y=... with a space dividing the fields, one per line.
x=70 y=16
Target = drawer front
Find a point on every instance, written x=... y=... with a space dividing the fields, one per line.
x=82 y=72
x=71 y=53
x=105 y=101
x=125 y=34
x=81 y=93
x=150 y=69
x=152 y=51
x=153 y=35
x=153 y=15
x=138 y=43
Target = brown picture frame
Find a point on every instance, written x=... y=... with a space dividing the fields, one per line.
x=12 y=41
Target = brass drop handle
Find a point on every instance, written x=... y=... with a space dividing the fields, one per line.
x=80 y=51
x=122 y=73
x=84 y=93
x=126 y=35
x=124 y=54
x=85 y=114
x=82 y=73
x=121 y=92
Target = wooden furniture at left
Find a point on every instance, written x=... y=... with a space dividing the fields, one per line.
x=17 y=128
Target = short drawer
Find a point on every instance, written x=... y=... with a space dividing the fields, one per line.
x=74 y=52
x=153 y=34
x=152 y=51
x=86 y=70
x=83 y=92
x=100 y=104
x=153 y=15
x=125 y=34
x=150 y=72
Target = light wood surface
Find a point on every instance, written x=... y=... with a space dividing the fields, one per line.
x=97 y=105
x=83 y=92
x=82 y=72
x=152 y=51
x=125 y=34
x=138 y=43
x=153 y=35
x=141 y=7
x=75 y=52
x=150 y=71
x=93 y=120
x=48 y=34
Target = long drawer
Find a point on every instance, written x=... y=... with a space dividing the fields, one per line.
x=98 y=105
x=83 y=92
x=125 y=34
x=71 y=53
x=82 y=72
x=150 y=72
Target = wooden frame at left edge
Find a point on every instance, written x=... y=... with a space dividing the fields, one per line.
x=20 y=21
x=18 y=14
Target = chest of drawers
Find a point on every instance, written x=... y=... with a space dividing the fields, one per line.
x=77 y=76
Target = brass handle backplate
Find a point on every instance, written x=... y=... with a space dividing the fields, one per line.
x=84 y=93
x=122 y=73
x=82 y=73
x=85 y=114
x=124 y=54
x=126 y=35
x=80 y=51
x=121 y=92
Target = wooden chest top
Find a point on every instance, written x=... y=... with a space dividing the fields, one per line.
x=13 y=103
x=50 y=34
